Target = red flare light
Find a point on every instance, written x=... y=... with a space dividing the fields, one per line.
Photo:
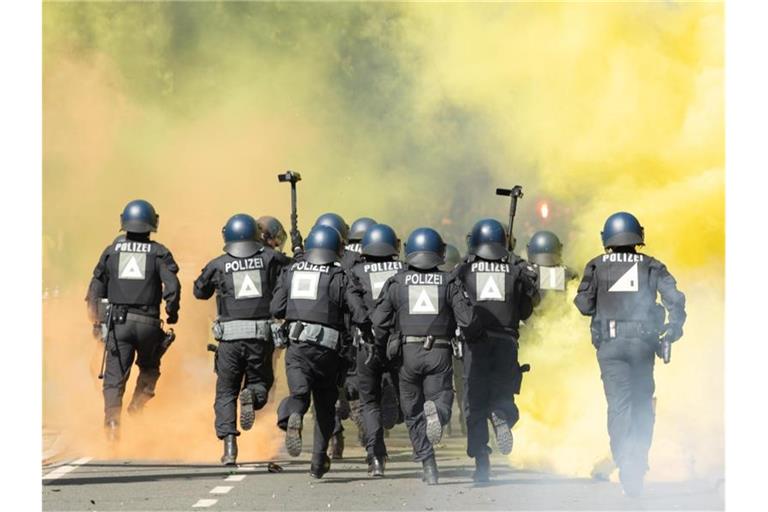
x=544 y=210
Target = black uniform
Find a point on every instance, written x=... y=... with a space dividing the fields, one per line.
x=372 y=274
x=349 y=388
x=420 y=304
x=135 y=274
x=503 y=293
x=619 y=292
x=315 y=295
x=243 y=288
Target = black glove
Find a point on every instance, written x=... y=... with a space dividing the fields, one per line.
x=672 y=333
x=172 y=318
x=96 y=330
x=296 y=241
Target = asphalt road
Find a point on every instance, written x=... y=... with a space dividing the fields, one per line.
x=85 y=484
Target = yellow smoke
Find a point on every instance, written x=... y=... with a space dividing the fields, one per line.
x=411 y=114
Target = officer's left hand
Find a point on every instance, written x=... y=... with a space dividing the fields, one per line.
x=96 y=330
x=672 y=333
x=172 y=318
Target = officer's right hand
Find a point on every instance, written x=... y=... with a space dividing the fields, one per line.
x=172 y=318
x=296 y=241
x=672 y=333
x=96 y=330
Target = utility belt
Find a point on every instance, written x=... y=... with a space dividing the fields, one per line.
x=315 y=334
x=143 y=319
x=230 y=330
x=121 y=312
x=509 y=336
x=428 y=341
x=612 y=329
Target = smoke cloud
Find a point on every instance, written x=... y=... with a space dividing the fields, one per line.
x=411 y=114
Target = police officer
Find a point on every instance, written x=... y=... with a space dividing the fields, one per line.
x=243 y=279
x=424 y=304
x=356 y=233
x=503 y=292
x=545 y=252
x=380 y=250
x=348 y=379
x=619 y=291
x=272 y=232
x=336 y=221
x=134 y=273
x=452 y=260
x=313 y=296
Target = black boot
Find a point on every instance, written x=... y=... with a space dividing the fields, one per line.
x=336 y=446
x=434 y=427
x=376 y=467
x=482 y=468
x=293 y=434
x=631 y=481
x=502 y=431
x=319 y=466
x=430 y=471
x=112 y=429
x=247 y=412
x=229 y=458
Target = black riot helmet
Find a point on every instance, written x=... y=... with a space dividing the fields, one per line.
x=545 y=249
x=323 y=245
x=272 y=231
x=335 y=221
x=139 y=216
x=241 y=236
x=380 y=240
x=452 y=258
x=488 y=239
x=359 y=227
x=622 y=229
x=425 y=249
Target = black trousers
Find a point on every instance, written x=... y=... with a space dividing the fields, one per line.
x=626 y=368
x=425 y=375
x=312 y=373
x=370 y=380
x=130 y=341
x=491 y=380
x=239 y=364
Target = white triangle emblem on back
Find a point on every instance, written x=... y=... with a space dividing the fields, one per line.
x=627 y=282
x=248 y=288
x=131 y=270
x=491 y=290
x=424 y=304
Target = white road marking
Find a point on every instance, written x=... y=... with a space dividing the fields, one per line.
x=63 y=470
x=234 y=478
x=221 y=489
x=204 y=503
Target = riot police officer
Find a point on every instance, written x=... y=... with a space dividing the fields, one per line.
x=272 y=232
x=425 y=305
x=376 y=378
x=313 y=297
x=243 y=279
x=356 y=233
x=503 y=292
x=134 y=273
x=545 y=252
x=336 y=221
x=452 y=260
x=348 y=392
x=619 y=291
